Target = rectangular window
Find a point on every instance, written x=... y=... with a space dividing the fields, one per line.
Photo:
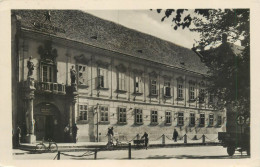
x=219 y=120
x=154 y=117
x=168 y=117
x=102 y=78
x=121 y=115
x=138 y=84
x=202 y=119
x=192 y=92
x=180 y=91
x=211 y=98
x=211 y=119
x=180 y=118
x=153 y=87
x=202 y=96
x=192 y=119
x=104 y=114
x=82 y=75
x=138 y=116
x=167 y=88
x=121 y=81
x=83 y=112
x=47 y=73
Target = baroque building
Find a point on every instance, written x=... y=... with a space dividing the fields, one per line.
x=71 y=67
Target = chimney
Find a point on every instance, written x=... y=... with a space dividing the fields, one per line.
x=224 y=38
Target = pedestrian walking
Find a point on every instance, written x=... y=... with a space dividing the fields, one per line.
x=67 y=133
x=19 y=135
x=74 y=132
x=146 y=140
x=175 y=135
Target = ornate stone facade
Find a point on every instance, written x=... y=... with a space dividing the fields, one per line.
x=130 y=91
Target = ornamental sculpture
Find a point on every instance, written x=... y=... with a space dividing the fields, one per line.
x=73 y=74
x=30 y=67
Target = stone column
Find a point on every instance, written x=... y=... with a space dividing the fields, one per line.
x=72 y=99
x=29 y=96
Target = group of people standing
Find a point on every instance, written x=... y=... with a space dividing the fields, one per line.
x=67 y=133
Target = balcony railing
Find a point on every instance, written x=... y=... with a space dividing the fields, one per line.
x=50 y=87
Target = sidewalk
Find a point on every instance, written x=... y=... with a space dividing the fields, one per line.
x=82 y=146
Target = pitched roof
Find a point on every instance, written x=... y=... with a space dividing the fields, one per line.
x=83 y=27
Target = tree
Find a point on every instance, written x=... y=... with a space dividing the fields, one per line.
x=228 y=64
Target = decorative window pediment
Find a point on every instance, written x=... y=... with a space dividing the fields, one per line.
x=81 y=59
x=202 y=84
x=47 y=53
x=153 y=74
x=180 y=79
x=137 y=72
x=102 y=64
x=121 y=68
x=166 y=77
x=192 y=82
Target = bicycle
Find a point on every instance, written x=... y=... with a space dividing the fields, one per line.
x=110 y=145
x=41 y=147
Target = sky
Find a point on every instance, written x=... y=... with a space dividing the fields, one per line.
x=148 y=22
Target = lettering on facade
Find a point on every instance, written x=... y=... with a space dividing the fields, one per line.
x=47 y=28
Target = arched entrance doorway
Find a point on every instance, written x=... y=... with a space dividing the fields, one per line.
x=47 y=122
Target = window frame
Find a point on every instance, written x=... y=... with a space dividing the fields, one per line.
x=102 y=114
x=119 y=115
x=102 y=73
x=180 y=121
x=167 y=84
x=202 y=118
x=192 y=92
x=121 y=81
x=219 y=120
x=211 y=120
x=202 y=95
x=168 y=117
x=137 y=110
x=211 y=98
x=180 y=91
x=192 y=119
x=138 y=79
x=152 y=86
x=50 y=74
x=84 y=74
x=154 y=117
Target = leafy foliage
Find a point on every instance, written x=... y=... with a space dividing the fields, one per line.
x=229 y=65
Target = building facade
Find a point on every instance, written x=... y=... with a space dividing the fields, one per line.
x=71 y=67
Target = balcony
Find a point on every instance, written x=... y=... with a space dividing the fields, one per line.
x=50 y=87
